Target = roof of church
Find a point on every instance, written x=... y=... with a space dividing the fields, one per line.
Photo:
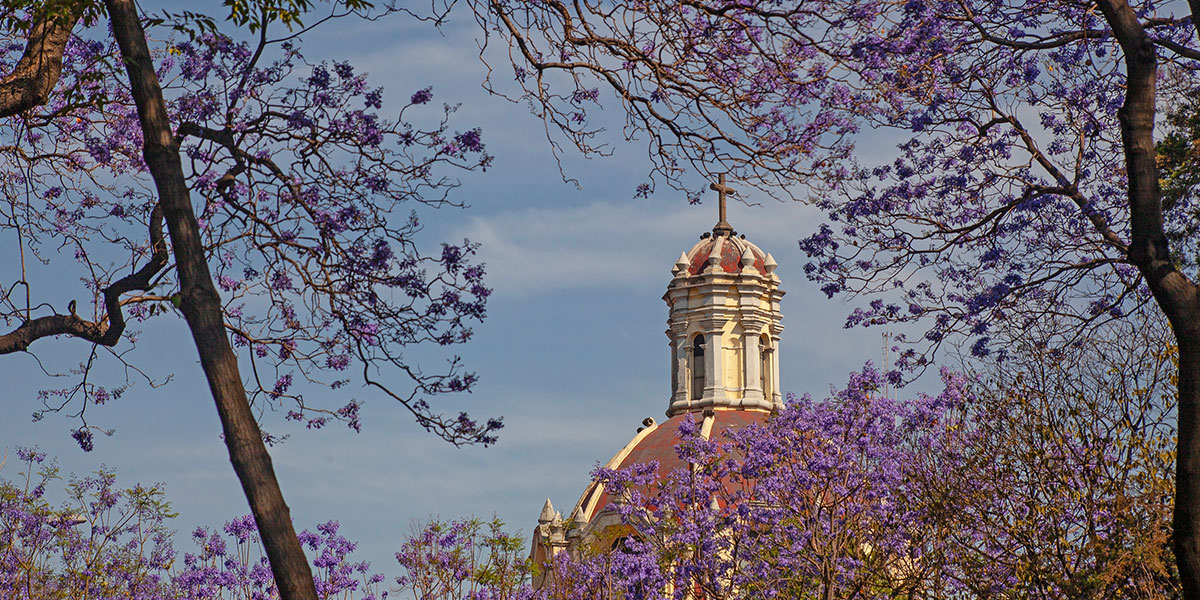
x=726 y=244
x=731 y=250
x=657 y=443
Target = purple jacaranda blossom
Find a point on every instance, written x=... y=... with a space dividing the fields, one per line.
x=862 y=495
x=333 y=186
x=422 y=96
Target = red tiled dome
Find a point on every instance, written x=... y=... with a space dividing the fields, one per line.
x=659 y=444
x=732 y=249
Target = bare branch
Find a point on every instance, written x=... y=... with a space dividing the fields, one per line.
x=107 y=330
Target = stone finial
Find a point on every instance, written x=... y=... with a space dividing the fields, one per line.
x=713 y=504
x=681 y=265
x=578 y=524
x=547 y=512
x=714 y=255
x=747 y=258
x=575 y=529
x=770 y=264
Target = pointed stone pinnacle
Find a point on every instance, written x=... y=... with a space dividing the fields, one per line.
x=577 y=524
x=681 y=265
x=770 y=263
x=547 y=512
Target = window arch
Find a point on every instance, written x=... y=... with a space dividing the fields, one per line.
x=622 y=544
x=697 y=366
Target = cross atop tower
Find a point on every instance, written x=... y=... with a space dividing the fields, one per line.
x=722 y=227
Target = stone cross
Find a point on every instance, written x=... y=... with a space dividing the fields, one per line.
x=723 y=227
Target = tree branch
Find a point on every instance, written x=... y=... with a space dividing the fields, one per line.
x=33 y=78
x=108 y=329
x=1179 y=49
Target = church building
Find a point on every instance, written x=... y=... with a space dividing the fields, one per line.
x=723 y=327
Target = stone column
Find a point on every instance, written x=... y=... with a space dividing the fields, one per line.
x=673 y=367
x=776 y=398
x=753 y=389
x=683 y=375
x=714 y=368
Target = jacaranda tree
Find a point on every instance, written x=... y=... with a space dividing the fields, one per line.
x=822 y=501
x=106 y=541
x=1037 y=483
x=1024 y=182
x=468 y=558
x=257 y=194
x=103 y=542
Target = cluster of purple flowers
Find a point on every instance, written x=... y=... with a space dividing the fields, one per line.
x=864 y=496
x=103 y=542
x=858 y=495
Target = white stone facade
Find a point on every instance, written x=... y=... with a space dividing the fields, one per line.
x=724 y=326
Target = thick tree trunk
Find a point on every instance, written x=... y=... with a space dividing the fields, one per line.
x=1174 y=293
x=1187 y=463
x=201 y=306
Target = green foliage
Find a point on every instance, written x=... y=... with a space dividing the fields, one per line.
x=254 y=15
x=19 y=15
x=1179 y=175
x=1071 y=479
x=446 y=560
x=1179 y=151
x=102 y=542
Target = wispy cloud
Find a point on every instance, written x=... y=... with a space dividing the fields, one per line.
x=609 y=245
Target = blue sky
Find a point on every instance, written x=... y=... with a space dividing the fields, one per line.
x=572 y=353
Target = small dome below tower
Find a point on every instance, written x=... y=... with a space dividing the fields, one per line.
x=723 y=250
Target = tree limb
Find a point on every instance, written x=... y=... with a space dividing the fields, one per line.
x=33 y=78
x=108 y=329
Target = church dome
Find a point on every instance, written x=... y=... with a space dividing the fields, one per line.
x=731 y=249
x=657 y=443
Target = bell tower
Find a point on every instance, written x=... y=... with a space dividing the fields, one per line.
x=724 y=322
x=723 y=328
